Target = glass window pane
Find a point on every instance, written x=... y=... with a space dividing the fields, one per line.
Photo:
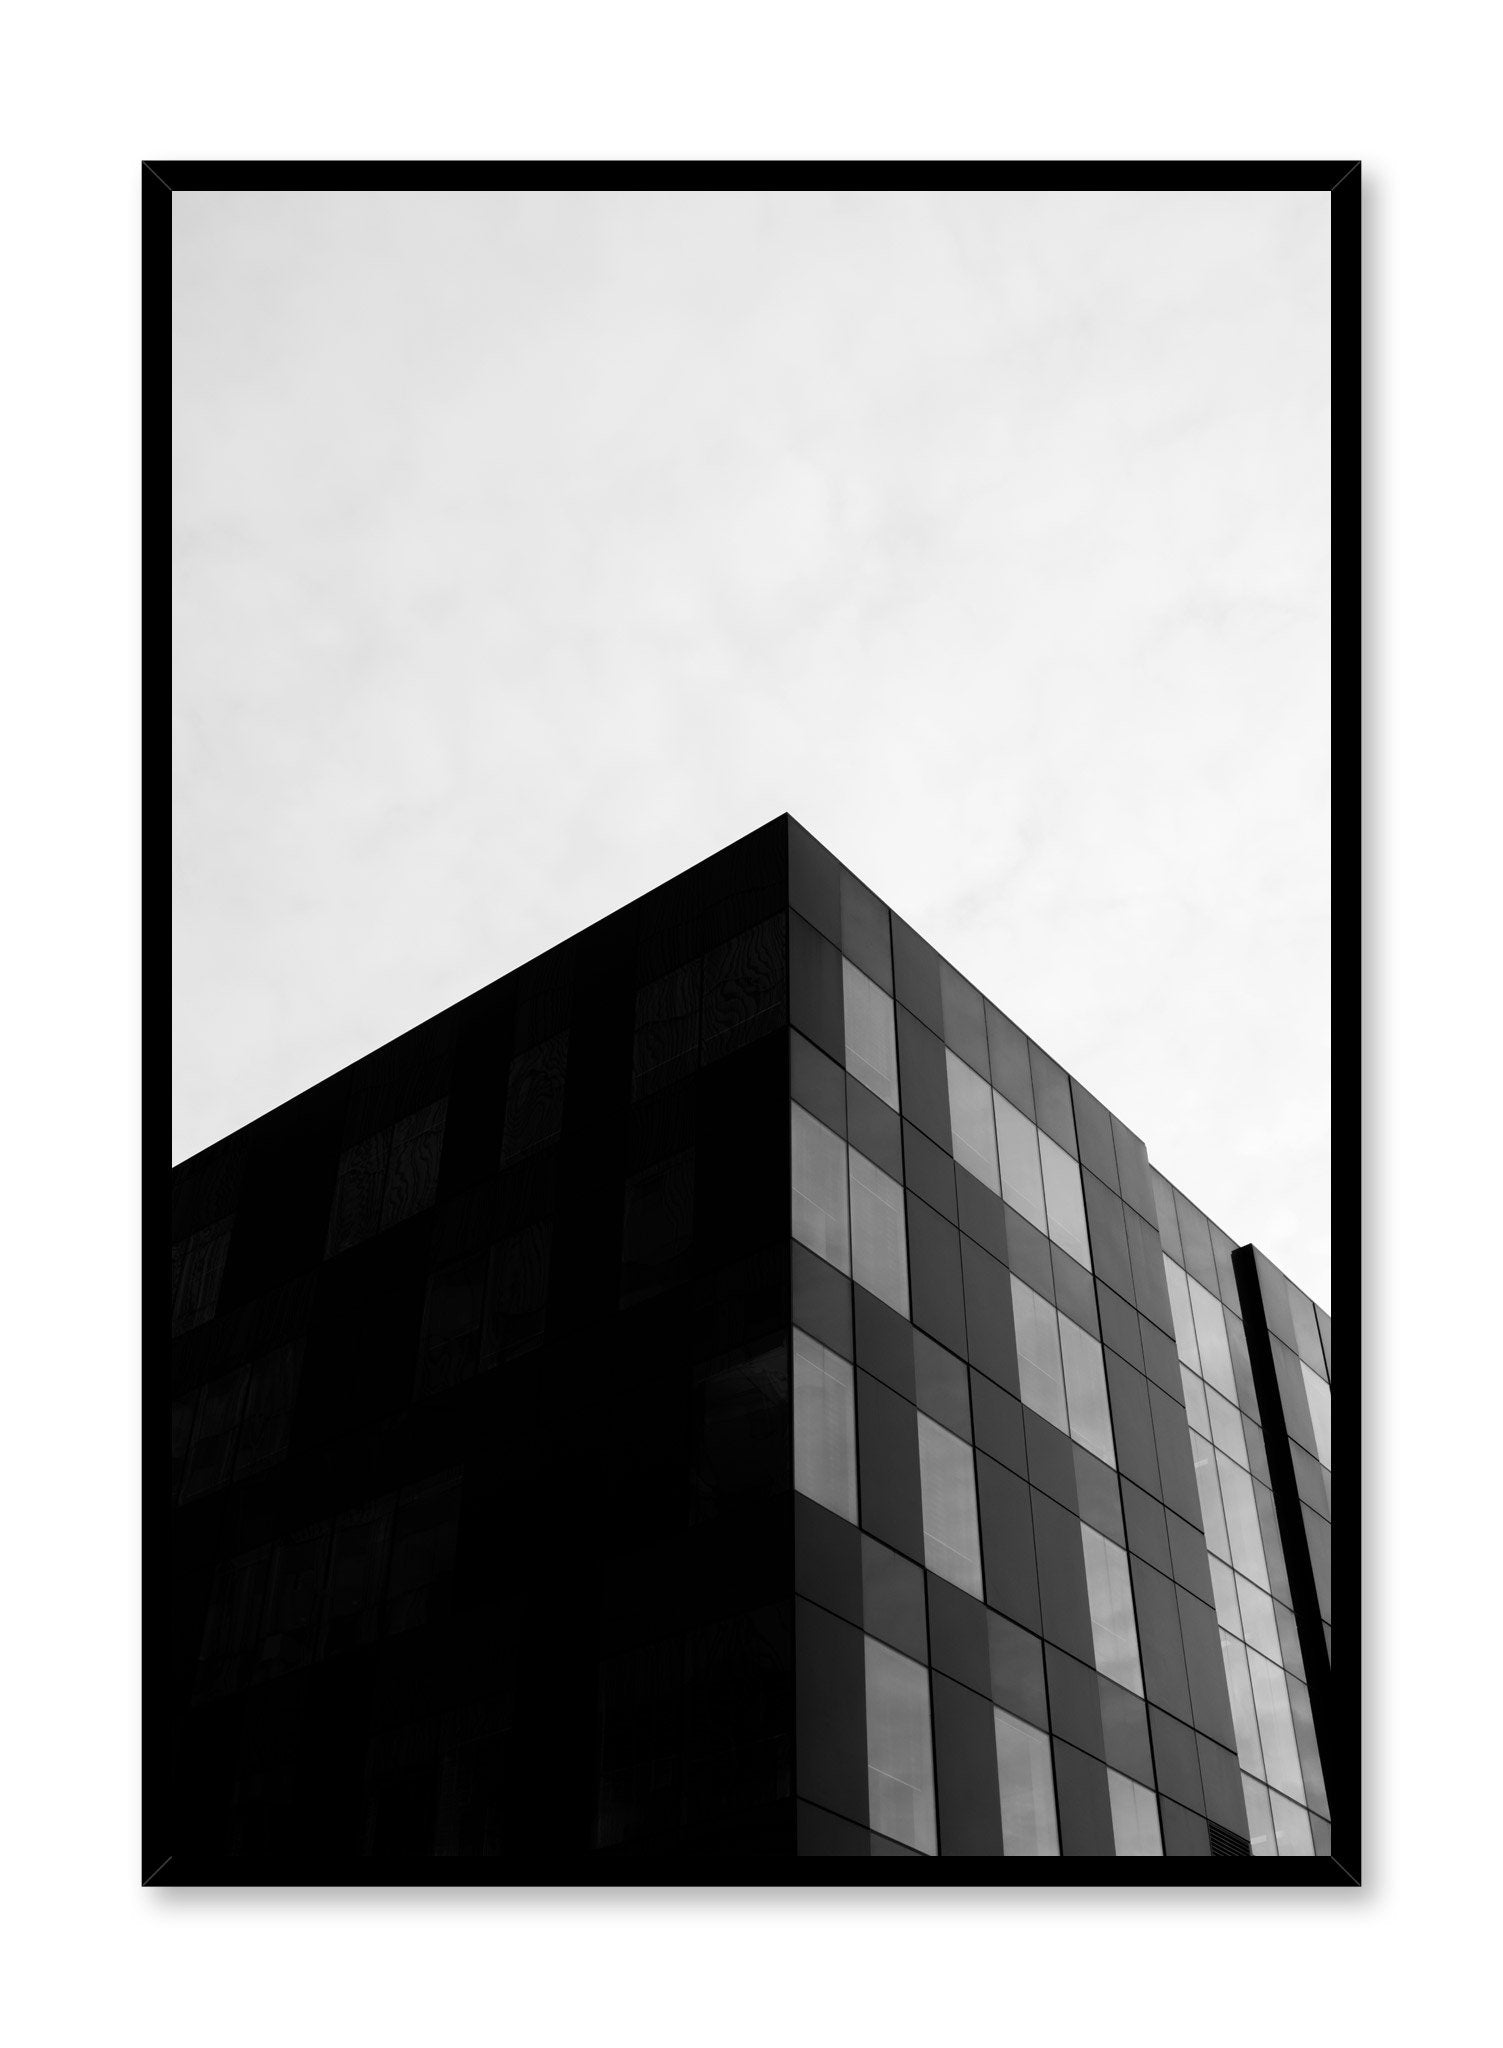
x=1018 y=1150
x=871 y=1044
x=1244 y=1713
x=1195 y=1400
x=1319 y=1395
x=820 y=1216
x=1292 y=1826
x=1242 y=1521
x=1259 y=1817
x=1063 y=1201
x=1226 y=1426
x=1135 y=1817
x=1085 y=1390
x=1224 y=1586
x=1040 y=1372
x=947 y=1481
x=1114 y=1629
x=1260 y=1628
x=1025 y=1778
x=1275 y=1728
x=973 y=1135
x=1184 y=1322
x=899 y=1754
x=879 y=1239
x=1210 y=1335
x=1210 y=1498
x=824 y=1426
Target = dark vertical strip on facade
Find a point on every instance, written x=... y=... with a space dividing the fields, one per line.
x=1338 y=1756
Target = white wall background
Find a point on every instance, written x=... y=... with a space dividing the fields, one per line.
x=529 y=547
x=87 y=93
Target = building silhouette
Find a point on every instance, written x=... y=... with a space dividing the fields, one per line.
x=721 y=1398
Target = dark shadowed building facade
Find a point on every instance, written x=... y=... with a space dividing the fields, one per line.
x=721 y=1395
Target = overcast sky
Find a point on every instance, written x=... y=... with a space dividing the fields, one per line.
x=530 y=547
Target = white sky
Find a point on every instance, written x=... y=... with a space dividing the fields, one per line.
x=528 y=548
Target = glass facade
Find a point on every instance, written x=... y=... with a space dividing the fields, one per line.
x=945 y=1484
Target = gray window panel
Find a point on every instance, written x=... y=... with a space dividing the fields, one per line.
x=947 y=1481
x=1289 y=1650
x=1025 y=1779
x=871 y=1045
x=1260 y=1628
x=1306 y=1335
x=1276 y=1727
x=1259 y=1817
x=1114 y=1628
x=1273 y=1547
x=1179 y=1309
x=1041 y=1378
x=879 y=1238
x=1085 y=1391
x=821 y=1214
x=1244 y=1710
x=1309 y=1749
x=1319 y=1396
x=1018 y=1149
x=1226 y=1426
x=1242 y=1528
x=1291 y=1824
x=1135 y=1817
x=1209 y=1487
x=1196 y=1410
x=899 y=1749
x=824 y=1426
x=1210 y=1335
x=1224 y=1587
x=973 y=1135
x=1064 y=1201
x=1164 y=1216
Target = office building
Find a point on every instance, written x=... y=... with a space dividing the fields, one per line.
x=722 y=1398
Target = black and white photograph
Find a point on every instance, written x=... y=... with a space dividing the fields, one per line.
x=768 y=736
x=751 y=1094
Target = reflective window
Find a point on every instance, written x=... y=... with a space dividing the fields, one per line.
x=871 y=1044
x=1275 y=1727
x=1242 y=1521
x=820 y=1215
x=1063 y=1201
x=1210 y=1498
x=1244 y=1712
x=1040 y=1372
x=1025 y=1779
x=1210 y=1335
x=879 y=1239
x=1184 y=1322
x=947 y=1481
x=1260 y=1628
x=1259 y=1817
x=1114 y=1629
x=1319 y=1396
x=1224 y=1587
x=824 y=1426
x=1085 y=1390
x=899 y=1755
x=973 y=1135
x=1195 y=1400
x=1292 y=1826
x=1226 y=1426
x=1018 y=1151
x=1135 y=1817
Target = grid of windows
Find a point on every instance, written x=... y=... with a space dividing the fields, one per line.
x=1283 y=1784
x=998 y=1383
x=1053 y=1429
